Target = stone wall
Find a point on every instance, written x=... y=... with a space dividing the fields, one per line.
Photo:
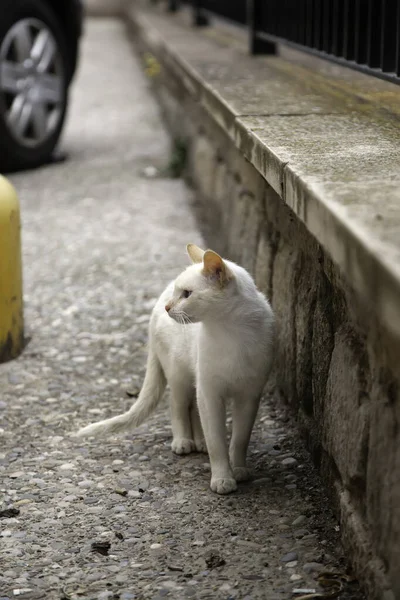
x=336 y=366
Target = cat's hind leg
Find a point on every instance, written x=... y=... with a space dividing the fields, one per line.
x=244 y=412
x=182 y=394
x=197 y=429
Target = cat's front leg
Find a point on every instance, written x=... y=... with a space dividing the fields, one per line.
x=182 y=395
x=213 y=415
x=244 y=412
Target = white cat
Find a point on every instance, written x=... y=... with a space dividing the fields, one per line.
x=211 y=337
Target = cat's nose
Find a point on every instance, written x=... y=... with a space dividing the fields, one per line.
x=167 y=307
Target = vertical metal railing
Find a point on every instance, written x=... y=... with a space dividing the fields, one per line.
x=200 y=18
x=254 y=16
x=361 y=34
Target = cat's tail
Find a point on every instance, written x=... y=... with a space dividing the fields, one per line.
x=150 y=395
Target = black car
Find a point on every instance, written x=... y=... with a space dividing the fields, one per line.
x=39 y=42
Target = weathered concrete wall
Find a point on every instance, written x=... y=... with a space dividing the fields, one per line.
x=334 y=362
x=337 y=366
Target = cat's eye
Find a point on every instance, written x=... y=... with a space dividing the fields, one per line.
x=186 y=293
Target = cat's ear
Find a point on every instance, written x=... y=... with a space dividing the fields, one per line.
x=215 y=267
x=195 y=253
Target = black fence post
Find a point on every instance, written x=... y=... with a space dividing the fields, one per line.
x=258 y=45
x=173 y=5
x=200 y=19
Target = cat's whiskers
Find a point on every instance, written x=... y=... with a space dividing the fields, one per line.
x=183 y=319
x=186 y=318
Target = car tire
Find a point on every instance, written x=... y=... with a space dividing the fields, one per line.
x=33 y=84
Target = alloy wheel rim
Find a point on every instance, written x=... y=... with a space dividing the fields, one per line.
x=31 y=82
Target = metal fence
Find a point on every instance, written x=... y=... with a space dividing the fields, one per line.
x=361 y=34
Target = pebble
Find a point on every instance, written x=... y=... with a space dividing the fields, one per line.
x=134 y=494
x=39 y=482
x=67 y=467
x=91 y=500
x=300 y=533
x=289 y=557
x=311 y=537
x=94 y=510
x=313 y=567
x=86 y=483
x=295 y=577
x=299 y=521
x=289 y=462
x=6 y=533
x=70 y=498
x=252 y=545
x=10 y=573
x=261 y=481
x=291 y=564
x=79 y=359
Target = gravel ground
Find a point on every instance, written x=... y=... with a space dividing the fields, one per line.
x=122 y=517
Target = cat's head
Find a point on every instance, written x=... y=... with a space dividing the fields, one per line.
x=202 y=290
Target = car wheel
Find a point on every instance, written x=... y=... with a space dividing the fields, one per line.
x=33 y=84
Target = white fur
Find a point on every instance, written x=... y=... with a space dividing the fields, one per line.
x=215 y=345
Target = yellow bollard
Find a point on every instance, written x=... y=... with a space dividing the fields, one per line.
x=11 y=311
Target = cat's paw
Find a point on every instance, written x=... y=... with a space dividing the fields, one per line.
x=241 y=473
x=201 y=445
x=223 y=486
x=182 y=446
